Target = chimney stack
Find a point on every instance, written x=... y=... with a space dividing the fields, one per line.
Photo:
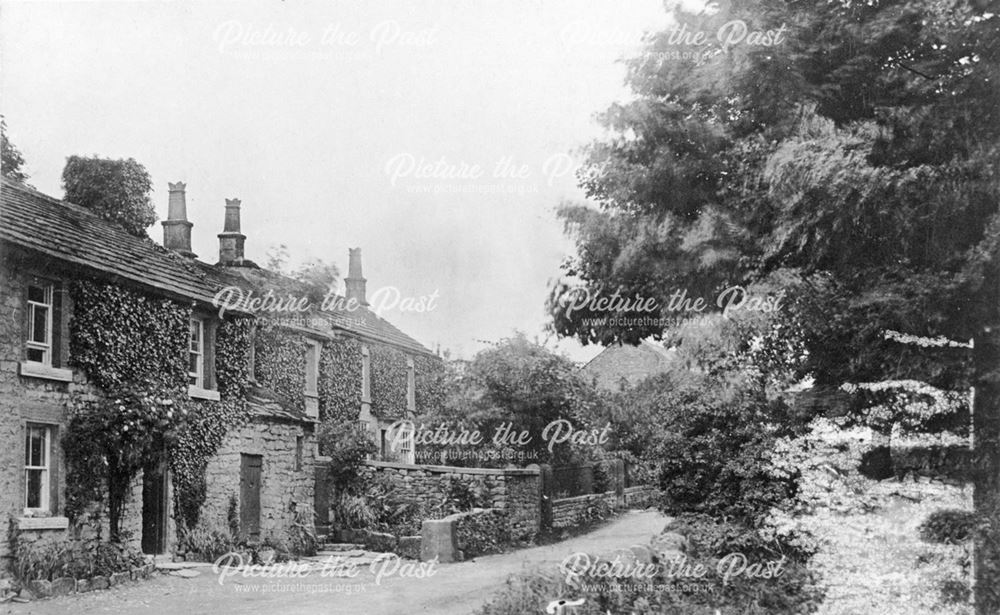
x=176 y=228
x=231 y=240
x=354 y=281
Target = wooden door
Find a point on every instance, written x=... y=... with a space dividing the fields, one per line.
x=154 y=507
x=250 y=470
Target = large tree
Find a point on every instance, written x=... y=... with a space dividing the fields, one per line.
x=857 y=156
x=116 y=190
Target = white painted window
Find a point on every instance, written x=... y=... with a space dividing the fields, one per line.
x=39 y=342
x=406 y=446
x=366 y=375
x=196 y=354
x=37 y=467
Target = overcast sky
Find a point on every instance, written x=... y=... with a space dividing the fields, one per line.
x=325 y=118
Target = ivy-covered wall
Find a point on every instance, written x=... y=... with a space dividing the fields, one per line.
x=430 y=382
x=388 y=385
x=279 y=362
x=121 y=338
x=134 y=347
x=340 y=380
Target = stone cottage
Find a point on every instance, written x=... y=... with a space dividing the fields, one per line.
x=342 y=363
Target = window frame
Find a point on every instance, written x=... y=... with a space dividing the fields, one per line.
x=46 y=347
x=45 y=491
x=199 y=375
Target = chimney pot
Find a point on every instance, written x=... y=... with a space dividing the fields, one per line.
x=231 y=240
x=176 y=228
x=355 y=282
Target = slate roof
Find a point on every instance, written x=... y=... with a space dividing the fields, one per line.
x=76 y=235
x=72 y=233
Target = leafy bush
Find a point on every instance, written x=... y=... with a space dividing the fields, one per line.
x=481 y=533
x=949 y=525
x=716 y=448
x=348 y=445
x=72 y=558
x=302 y=539
x=206 y=542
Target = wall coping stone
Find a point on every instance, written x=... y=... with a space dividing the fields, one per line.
x=455 y=469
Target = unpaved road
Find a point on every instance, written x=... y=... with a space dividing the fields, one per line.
x=455 y=589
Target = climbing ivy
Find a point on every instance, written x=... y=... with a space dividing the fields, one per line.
x=388 y=387
x=340 y=380
x=279 y=363
x=431 y=380
x=119 y=337
x=199 y=437
x=134 y=348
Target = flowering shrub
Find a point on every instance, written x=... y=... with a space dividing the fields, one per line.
x=111 y=439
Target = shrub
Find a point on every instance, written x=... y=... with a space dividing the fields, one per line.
x=716 y=450
x=348 y=445
x=302 y=539
x=481 y=533
x=949 y=525
x=206 y=542
x=72 y=558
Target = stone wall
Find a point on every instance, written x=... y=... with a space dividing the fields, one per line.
x=569 y=512
x=284 y=489
x=514 y=490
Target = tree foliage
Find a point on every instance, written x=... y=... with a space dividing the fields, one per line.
x=11 y=159
x=523 y=385
x=116 y=190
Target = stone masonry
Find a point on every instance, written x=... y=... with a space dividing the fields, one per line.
x=515 y=490
x=282 y=485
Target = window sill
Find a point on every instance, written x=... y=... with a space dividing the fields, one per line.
x=42 y=523
x=40 y=370
x=200 y=393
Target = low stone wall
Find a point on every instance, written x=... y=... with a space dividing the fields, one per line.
x=641 y=496
x=568 y=512
x=517 y=491
x=581 y=509
x=67 y=585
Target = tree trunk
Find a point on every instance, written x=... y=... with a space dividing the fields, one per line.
x=986 y=455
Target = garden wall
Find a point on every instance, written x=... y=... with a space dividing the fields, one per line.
x=517 y=491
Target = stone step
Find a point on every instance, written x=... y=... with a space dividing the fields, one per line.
x=342 y=546
x=339 y=553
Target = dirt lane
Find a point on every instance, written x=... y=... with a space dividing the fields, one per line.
x=455 y=589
